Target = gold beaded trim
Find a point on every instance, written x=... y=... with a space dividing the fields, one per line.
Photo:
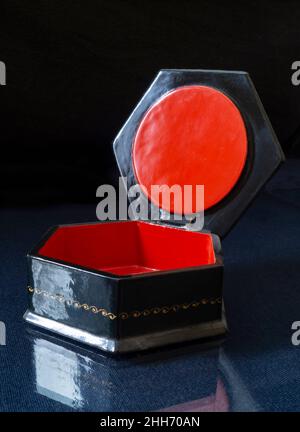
x=125 y=315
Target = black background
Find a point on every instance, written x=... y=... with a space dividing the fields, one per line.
x=75 y=70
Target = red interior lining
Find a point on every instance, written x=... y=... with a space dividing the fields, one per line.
x=132 y=247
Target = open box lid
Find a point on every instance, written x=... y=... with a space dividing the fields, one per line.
x=200 y=127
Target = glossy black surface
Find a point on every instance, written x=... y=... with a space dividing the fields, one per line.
x=74 y=285
x=264 y=151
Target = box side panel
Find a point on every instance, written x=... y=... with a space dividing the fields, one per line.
x=72 y=296
x=172 y=300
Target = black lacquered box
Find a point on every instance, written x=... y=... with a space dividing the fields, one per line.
x=130 y=285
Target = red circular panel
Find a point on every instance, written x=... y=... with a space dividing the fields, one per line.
x=195 y=135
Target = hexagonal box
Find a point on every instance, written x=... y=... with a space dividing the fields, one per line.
x=125 y=285
x=131 y=285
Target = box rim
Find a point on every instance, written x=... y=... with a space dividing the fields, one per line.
x=33 y=253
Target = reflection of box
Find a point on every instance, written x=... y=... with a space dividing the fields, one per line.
x=83 y=380
x=126 y=286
